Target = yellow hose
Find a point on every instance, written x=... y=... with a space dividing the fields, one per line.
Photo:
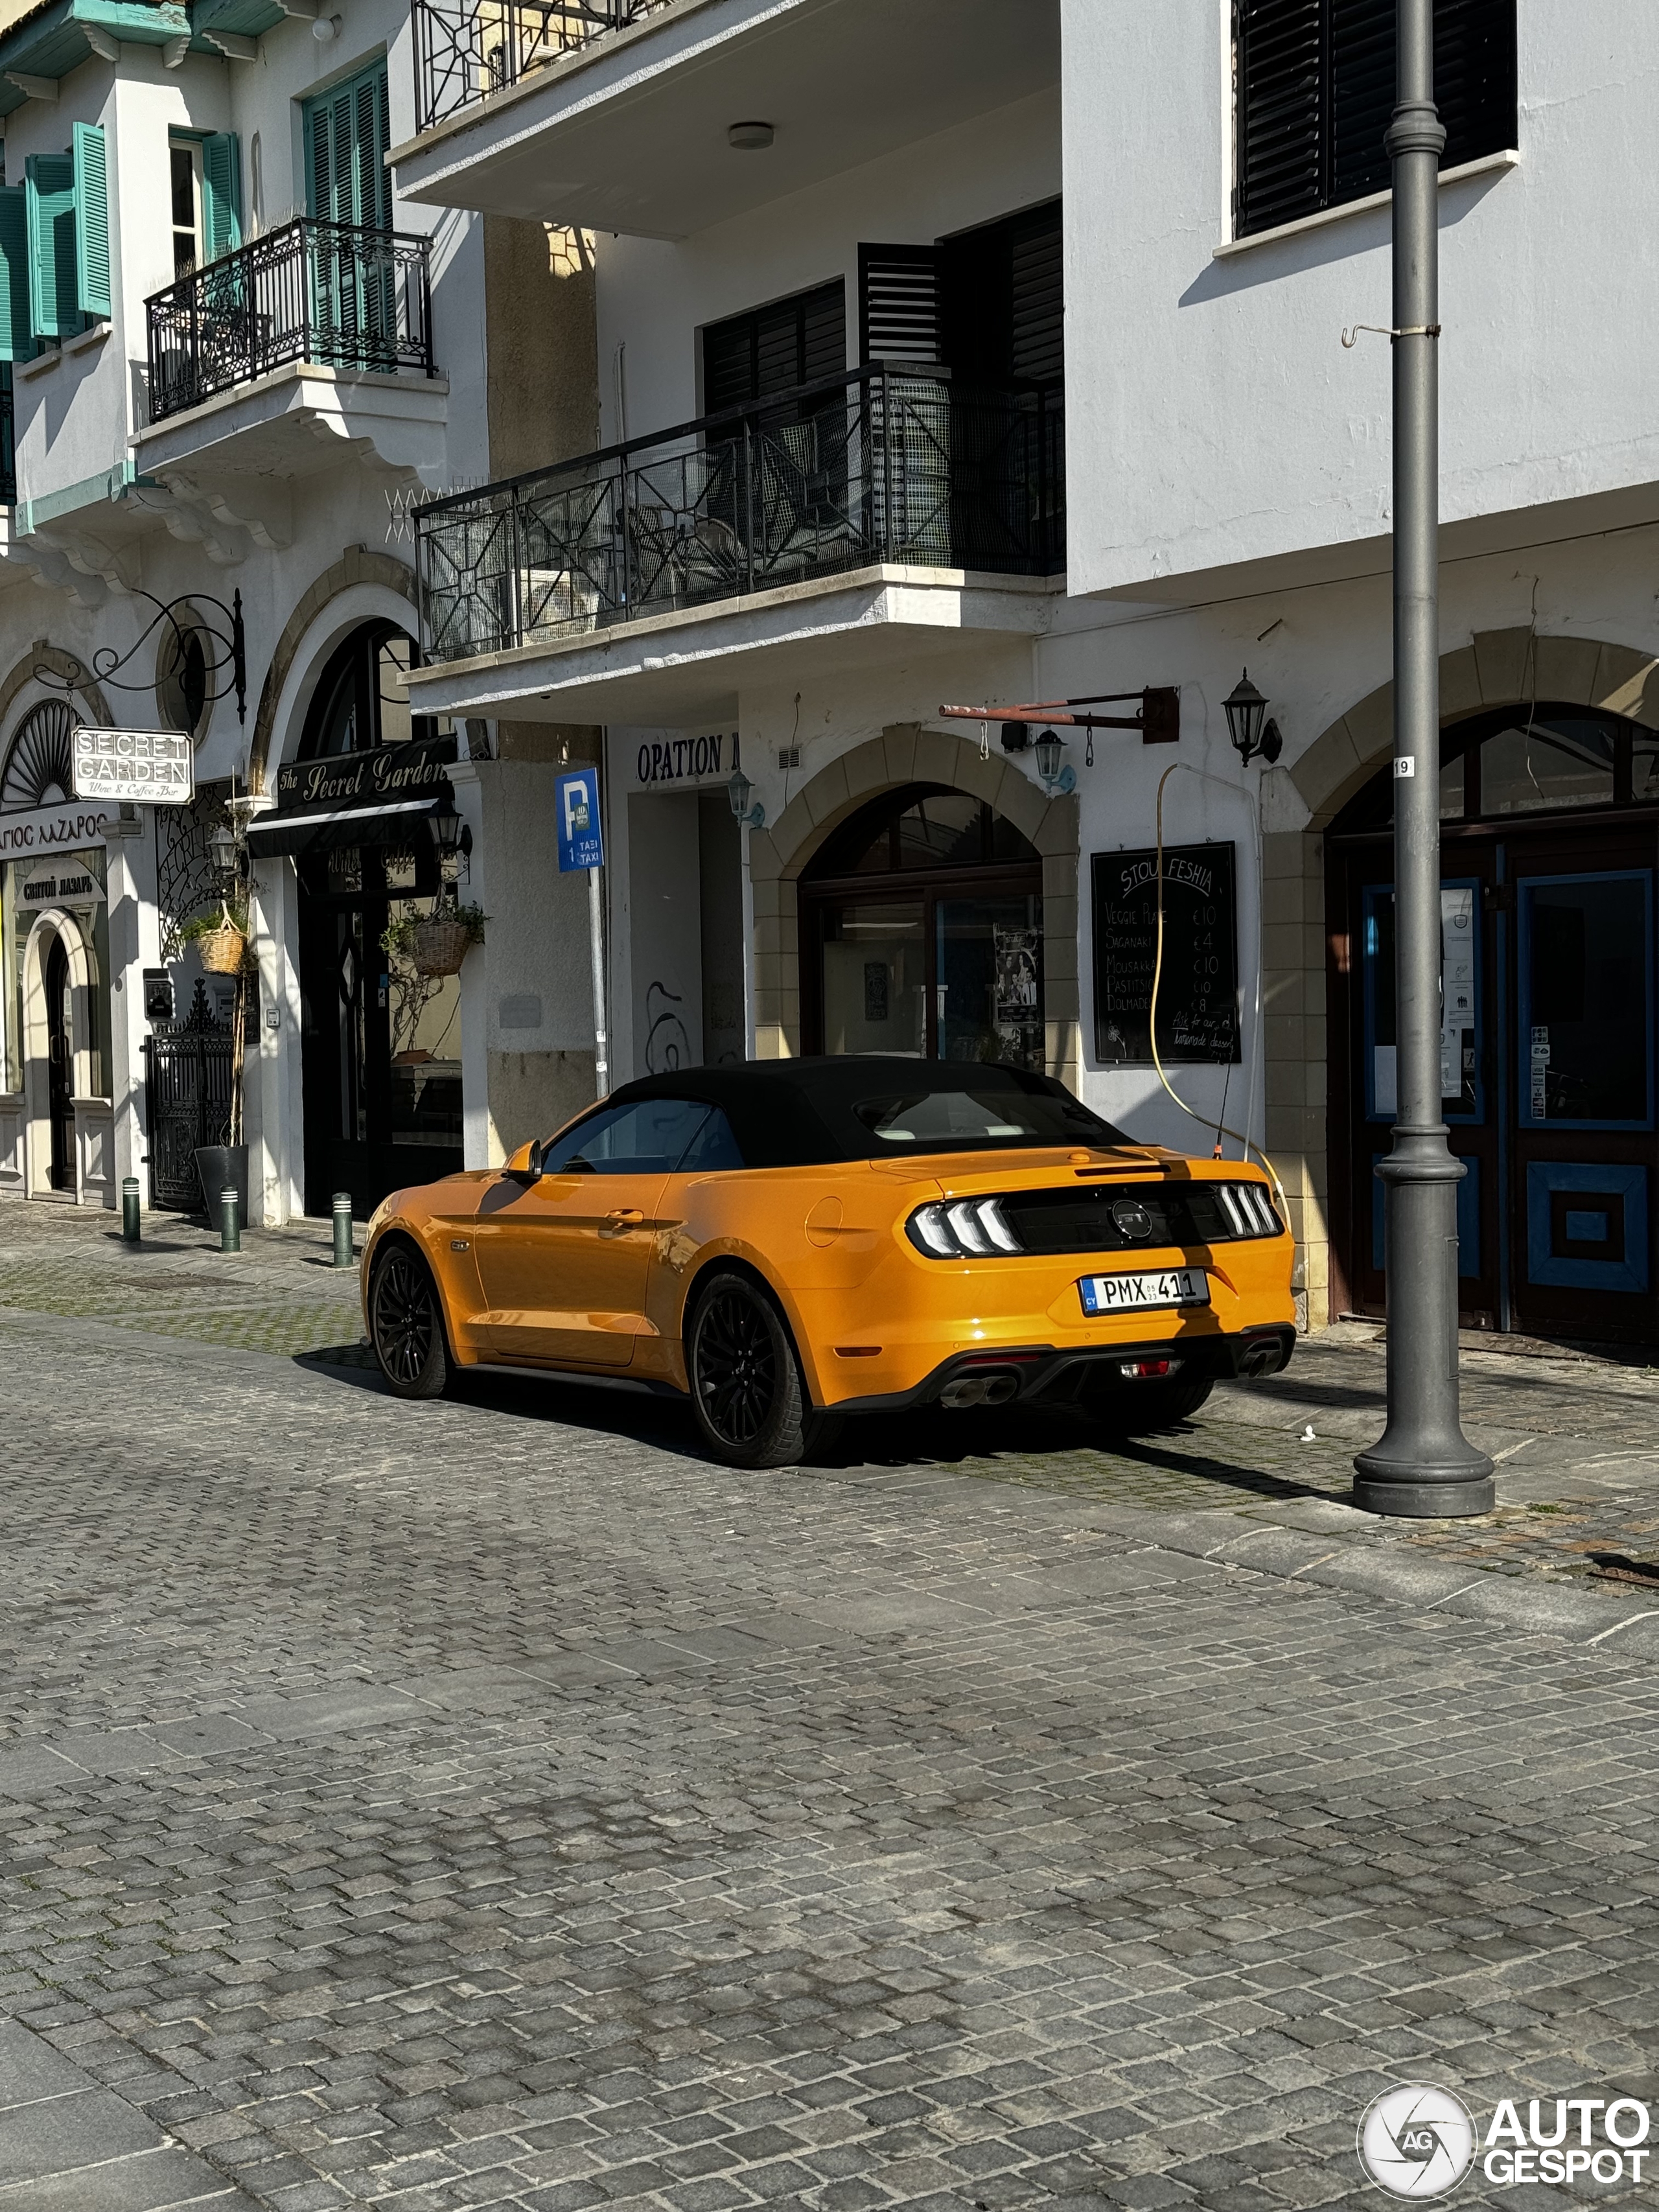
x=1220 y=1128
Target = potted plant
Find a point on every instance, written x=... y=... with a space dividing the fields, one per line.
x=435 y=944
x=221 y=944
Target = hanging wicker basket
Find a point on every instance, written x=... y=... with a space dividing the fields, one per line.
x=222 y=951
x=440 y=945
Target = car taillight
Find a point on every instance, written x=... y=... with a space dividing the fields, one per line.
x=966 y=1229
x=1248 y=1210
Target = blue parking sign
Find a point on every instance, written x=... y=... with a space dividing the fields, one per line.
x=581 y=844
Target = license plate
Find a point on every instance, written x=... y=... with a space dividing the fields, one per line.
x=1171 y=1286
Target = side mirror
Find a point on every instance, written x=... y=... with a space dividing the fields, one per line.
x=526 y=1164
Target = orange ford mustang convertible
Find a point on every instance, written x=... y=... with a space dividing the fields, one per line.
x=791 y=1241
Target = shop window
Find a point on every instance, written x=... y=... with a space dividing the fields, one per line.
x=361 y=699
x=921 y=933
x=1550 y=758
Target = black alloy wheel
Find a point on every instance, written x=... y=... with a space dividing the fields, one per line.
x=407 y=1325
x=747 y=1389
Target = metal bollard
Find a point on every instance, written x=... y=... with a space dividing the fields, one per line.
x=129 y=1215
x=230 y=1220
x=344 y=1253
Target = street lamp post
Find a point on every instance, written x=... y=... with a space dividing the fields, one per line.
x=1423 y=1465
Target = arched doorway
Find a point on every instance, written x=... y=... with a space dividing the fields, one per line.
x=60 y=1067
x=921 y=921
x=1547 y=1042
x=381 y=1046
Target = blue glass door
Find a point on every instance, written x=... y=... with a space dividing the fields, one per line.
x=1583 y=1057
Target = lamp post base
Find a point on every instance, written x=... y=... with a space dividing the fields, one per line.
x=1410 y=1490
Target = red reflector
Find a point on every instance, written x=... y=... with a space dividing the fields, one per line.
x=1144 y=1367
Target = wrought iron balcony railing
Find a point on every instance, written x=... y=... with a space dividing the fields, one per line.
x=882 y=465
x=329 y=293
x=8 y=441
x=464 y=49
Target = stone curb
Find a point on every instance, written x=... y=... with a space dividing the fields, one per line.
x=1529 y=1603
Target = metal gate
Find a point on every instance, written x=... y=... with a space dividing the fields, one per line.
x=187 y=1086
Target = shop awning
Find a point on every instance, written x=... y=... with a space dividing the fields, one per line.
x=393 y=822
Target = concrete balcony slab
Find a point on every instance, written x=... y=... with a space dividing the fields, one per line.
x=628 y=131
x=691 y=665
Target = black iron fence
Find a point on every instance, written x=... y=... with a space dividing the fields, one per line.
x=879 y=466
x=339 y=294
x=464 y=49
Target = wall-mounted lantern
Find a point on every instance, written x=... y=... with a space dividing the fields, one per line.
x=1055 y=772
x=738 y=791
x=1248 y=724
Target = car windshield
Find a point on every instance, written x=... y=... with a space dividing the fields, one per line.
x=932 y=1120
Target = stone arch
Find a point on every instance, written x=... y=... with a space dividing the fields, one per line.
x=357 y=565
x=1497 y=668
x=907 y=753
x=60 y=664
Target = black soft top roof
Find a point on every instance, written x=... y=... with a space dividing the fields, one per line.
x=799 y=1113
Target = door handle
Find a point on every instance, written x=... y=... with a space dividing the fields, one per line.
x=622 y=1219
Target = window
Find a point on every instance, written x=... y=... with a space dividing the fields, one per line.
x=921 y=933
x=1549 y=758
x=1315 y=82
x=361 y=698
x=185 y=163
x=649 y=1138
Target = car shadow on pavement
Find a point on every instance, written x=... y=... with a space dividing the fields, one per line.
x=1012 y=1444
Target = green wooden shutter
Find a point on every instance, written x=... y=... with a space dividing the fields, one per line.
x=16 y=331
x=54 y=281
x=348 y=131
x=222 y=194
x=92 y=288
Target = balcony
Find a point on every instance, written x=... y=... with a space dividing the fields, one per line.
x=317 y=336
x=464 y=49
x=8 y=441
x=799 y=513
x=330 y=294
x=615 y=114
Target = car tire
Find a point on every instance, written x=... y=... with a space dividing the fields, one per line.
x=747 y=1394
x=1143 y=1406
x=406 y=1325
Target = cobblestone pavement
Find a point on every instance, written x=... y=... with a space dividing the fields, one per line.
x=1576 y=1439
x=489 y=1802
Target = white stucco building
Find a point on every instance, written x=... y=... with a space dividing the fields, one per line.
x=237 y=357
x=857 y=462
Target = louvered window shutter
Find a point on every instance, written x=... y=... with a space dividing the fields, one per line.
x=1474 y=76
x=16 y=335
x=222 y=194
x=382 y=195
x=91 y=221
x=728 y=363
x=1038 y=297
x=1280 y=120
x=49 y=207
x=801 y=340
x=1316 y=90
x=898 y=303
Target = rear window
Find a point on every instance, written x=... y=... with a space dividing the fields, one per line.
x=935 y=1119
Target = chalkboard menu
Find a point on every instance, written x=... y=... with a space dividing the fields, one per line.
x=1198 y=995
